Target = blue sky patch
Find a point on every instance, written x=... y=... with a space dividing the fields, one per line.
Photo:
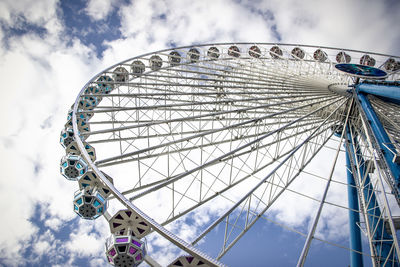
x=79 y=25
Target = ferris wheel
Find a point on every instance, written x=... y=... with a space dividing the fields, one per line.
x=217 y=134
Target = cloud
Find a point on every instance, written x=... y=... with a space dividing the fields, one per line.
x=38 y=13
x=99 y=10
x=356 y=24
x=42 y=68
x=16 y=15
x=149 y=25
x=84 y=240
x=43 y=77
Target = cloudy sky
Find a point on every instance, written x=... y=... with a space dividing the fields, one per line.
x=50 y=49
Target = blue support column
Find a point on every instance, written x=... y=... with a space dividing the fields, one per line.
x=382 y=241
x=387 y=91
x=356 y=259
x=384 y=142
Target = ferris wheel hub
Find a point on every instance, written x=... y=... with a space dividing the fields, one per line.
x=340 y=88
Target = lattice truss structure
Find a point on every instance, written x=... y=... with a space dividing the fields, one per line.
x=389 y=115
x=228 y=128
x=373 y=182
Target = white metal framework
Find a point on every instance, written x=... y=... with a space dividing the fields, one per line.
x=225 y=130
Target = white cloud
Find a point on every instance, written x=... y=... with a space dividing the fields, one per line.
x=16 y=204
x=320 y=23
x=99 y=9
x=197 y=22
x=38 y=13
x=42 y=76
x=361 y=25
x=44 y=243
x=54 y=223
x=84 y=244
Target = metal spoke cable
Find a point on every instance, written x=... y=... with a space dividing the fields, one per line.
x=158 y=135
x=209 y=132
x=260 y=183
x=237 y=155
x=218 y=159
x=197 y=103
x=235 y=183
x=248 y=136
x=212 y=114
x=311 y=233
x=190 y=137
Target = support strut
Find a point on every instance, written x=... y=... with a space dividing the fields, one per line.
x=380 y=239
x=386 y=146
x=356 y=259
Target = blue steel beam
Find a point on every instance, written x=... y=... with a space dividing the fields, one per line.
x=385 y=144
x=385 y=90
x=381 y=240
x=356 y=259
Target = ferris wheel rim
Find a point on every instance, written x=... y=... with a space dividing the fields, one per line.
x=232 y=43
x=157 y=227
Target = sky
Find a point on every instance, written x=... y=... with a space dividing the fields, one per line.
x=49 y=49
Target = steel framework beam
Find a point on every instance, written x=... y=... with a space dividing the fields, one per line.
x=381 y=240
x=388 y=149
x=356 y=259
x=386 y=91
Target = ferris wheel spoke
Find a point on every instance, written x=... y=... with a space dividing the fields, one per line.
x=229 y=86
x=251 y=211
x=231 y=165
x=269 y=90
x=213 y=114
x=259 y=147
x=294 y=115
x=227 y=81
x=207 y=133
x=277 y=83
x=231 y=185
x=188 y=106
x=246 y=152
x=217 y=176
x=257 y=72
x=311 y=233
x=141 y=132
x=158 y=135
x=387 y=112
x=226 y=140
x=112 y=119
x=203 y=71
x=249 y=223
x=105 y=109
x=169 y=181
x=218 y=113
